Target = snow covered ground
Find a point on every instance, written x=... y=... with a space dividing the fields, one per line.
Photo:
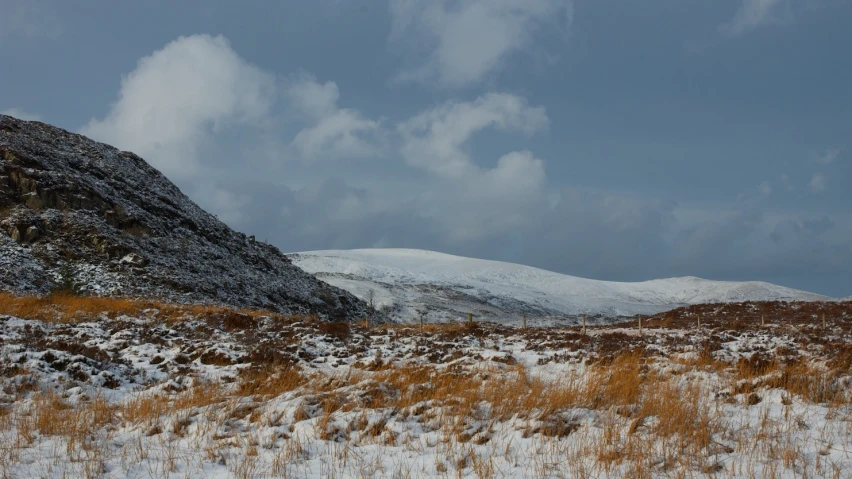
x=220 y=393
x=443 y=287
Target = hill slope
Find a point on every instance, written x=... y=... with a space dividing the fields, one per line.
x=80 y=214
x=408 y=282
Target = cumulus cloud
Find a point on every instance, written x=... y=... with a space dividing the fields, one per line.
x=21 y=114
x=817 y=183
x=460 y=43
x=474 y=201
x=333 y=132
x=176 y=98
x=202 y=114
x=434 y=139
x=756 y=13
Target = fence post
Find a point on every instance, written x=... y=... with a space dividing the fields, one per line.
x=823 y=321
x=525 y=322
x=584 y=324
x=762 y=320
x=367 y=322
x=699 y=320
x=640 y=324
x=470 y=319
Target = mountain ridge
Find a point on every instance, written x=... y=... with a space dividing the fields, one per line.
x=407 y=282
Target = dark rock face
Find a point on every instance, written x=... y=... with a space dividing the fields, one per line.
x=81 y=213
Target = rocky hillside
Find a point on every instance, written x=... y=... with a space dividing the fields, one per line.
x=81 y=215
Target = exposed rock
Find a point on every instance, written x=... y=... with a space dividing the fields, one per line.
x=118 y=226
x=31 y=235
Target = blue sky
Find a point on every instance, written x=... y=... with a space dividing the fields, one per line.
x=611 y=140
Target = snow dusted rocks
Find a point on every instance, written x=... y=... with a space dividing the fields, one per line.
x=74 y=212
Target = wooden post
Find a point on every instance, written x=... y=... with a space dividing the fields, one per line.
x=823 y=321
x=584 y=324
x=762 y=320
x=367 y=322
x=470 y=319
x=525 y=322
x=699 y=320
x=640 y=324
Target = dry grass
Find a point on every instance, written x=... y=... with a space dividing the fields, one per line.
x=622 y=413
x=647 y=423
x=67 y=308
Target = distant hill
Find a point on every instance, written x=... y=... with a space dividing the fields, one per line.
x=409 y=282
x=82 y=215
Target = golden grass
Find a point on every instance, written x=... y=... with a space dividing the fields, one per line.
x=70 y=308
x=639 y=411
x=646 y=423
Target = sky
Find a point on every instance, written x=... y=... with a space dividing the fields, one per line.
x=621 y=141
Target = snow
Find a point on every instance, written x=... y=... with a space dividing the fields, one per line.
x=107 y=223
x=399 y=278
x=242 y=436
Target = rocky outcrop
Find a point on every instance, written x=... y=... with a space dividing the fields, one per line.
x=77 y=213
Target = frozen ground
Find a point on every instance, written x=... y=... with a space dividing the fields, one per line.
x=443 y=287
x=759 y=390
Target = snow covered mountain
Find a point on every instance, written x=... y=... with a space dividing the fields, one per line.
x=406 y=283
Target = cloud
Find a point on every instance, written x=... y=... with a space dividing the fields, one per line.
x=765 y=188
x=828 y=157
x=21 y=114
x=460 y=43
x=434 y=139
x=333 y=132
x=225 y=131
x=756 y=13
x=29 y=19
x=472 y=201
x=817 y=183
x=170 y=106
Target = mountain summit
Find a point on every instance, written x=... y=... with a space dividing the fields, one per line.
x=82 y=215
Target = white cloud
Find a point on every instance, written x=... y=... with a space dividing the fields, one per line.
x=434 y=139
x=333 y=132
x=21 y=114
x=170 y=105
x=828 y=157
x=311 y=98
x=463 y=42
x=227 y=205
x=755 y=13
x=765 y=188
x=472 y=201
x=817 y=183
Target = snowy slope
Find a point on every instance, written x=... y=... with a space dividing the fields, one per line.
x=409 y=282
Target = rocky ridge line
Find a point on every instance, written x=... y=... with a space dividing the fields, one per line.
x=79 y=214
